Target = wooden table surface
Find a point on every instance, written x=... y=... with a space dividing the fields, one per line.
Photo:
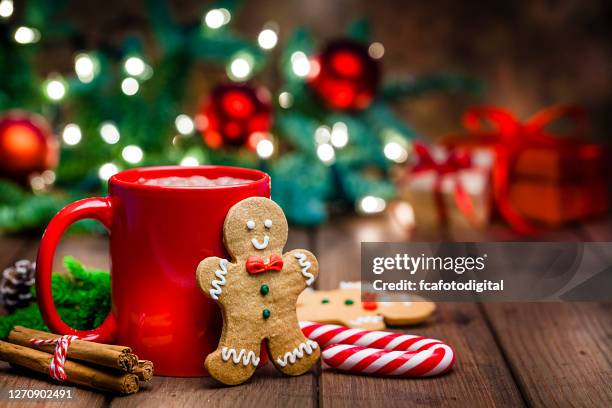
x=508 y=354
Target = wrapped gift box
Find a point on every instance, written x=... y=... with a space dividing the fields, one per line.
x=572 y=163
x=552 y=179
x=419 y=189
x=556 y=204
x=557 y=186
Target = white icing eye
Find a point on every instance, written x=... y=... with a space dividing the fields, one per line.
x=250 y=224
x=268 y=224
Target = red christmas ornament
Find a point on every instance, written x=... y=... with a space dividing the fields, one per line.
x=27 y=145
x=345 y=76
x=236 y=115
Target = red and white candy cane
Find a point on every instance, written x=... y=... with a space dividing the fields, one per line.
x=379 y=352
x=56 y=367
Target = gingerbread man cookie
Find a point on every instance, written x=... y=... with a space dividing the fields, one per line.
x=344 y=306
x=257 y=290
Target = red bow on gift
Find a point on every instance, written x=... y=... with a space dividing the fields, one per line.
x=449 y=167
x=501 y=130
x=257 y=265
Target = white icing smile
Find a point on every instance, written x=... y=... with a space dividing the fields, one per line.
x=261 y=245
x=365 y=319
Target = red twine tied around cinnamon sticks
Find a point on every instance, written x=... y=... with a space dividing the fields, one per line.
x=500 y=129
x=56 y=367
x=449 y=167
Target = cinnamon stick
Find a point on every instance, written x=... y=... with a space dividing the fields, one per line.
x=76 y=373
x=144 y=371
x=106 y=355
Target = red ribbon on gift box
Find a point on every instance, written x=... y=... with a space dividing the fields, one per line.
x=449 y=167
x=500 y=129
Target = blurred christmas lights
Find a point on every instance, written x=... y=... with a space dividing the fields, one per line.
x=107 y=170
x=395 y=152
x=129 y=86
x=109 y=132
x=403 y=213
x=240 y=68
x=285 y=100
x=217 y=18
x=339 y=135
x=300 y=64
x=326 y=153
x=189 y=161
x=55 y=87
x=72 y=134
x=6 y=8
x=267 y=39
x=322 y=135
x=376 y=50
x=85 y=67
x=371 y=205
x=184 y=124
x=26 y=35
x=132 y=154
x=134 y=66
x=265 y=148
x=41 y=182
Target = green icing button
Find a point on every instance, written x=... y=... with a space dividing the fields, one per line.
x=264 y=289
x=325 y=301
x=348 y=302
x=266 y=313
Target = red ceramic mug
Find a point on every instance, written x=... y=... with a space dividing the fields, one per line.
x=158 y=235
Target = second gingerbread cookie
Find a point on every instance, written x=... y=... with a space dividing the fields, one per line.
x=257 y=290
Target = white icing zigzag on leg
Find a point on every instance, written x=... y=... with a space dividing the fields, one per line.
x=305 y=264
x=291 y=356
x=216 y=284
x=244 y=355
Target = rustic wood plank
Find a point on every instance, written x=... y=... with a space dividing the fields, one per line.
x=560 y=353
x=480 y=377
x=268 y=387
x=21 y=379
x=93 y=251
x=598 y=230
x=338 y=246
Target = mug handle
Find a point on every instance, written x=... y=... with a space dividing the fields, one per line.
x=99 y=209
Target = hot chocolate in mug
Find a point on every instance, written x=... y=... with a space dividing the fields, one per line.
x=158 y=235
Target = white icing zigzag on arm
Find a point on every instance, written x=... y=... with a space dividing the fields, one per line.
x=217 y=283
x=305 y=264
x=291 y=356
x=243 y=355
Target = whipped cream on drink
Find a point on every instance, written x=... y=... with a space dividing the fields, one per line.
x=193 y=181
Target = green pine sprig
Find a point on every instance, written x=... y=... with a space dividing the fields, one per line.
x=82 y=298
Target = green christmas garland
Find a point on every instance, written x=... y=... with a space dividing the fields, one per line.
x=309 y=190
x=82 y=298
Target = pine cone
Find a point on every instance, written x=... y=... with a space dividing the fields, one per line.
x=16 y=284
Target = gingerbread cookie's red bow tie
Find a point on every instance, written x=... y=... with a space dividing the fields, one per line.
x=257 y=265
